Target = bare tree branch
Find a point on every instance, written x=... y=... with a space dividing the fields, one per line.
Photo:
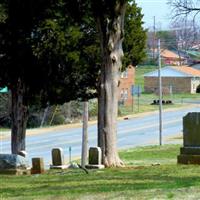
x=184 y=8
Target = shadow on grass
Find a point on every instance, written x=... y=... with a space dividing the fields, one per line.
x=108 y=181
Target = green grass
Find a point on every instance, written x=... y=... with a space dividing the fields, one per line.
x=150 y=173
x=145 y=101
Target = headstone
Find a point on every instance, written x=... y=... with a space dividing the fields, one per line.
x=57 y=156
x=37 y=166
x=191 y=130
x=190 y=152
x=58 y=159
x=95 y=158
x=13 y=164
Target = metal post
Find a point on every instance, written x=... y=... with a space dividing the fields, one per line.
x=70 y=154
x=154 y=37
x=160 y=94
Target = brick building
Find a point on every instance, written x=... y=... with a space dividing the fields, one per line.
x=182 y=79
x=127 y=79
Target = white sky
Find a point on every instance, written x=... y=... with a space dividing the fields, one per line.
x=157 y=8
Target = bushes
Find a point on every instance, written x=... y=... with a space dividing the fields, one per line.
x=54 y=115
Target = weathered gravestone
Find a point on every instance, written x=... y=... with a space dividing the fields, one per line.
x=58 y=159
x=95 y=158
x=37 y=166
x=13 y=164
x=190 y=152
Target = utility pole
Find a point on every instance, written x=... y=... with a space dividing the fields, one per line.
x=160 y=94
x=154 y=36
x=84 y=135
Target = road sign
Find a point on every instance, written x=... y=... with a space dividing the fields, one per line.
x=3 y=90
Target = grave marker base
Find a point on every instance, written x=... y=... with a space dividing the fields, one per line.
x=94 y=166
x=59 y=166
x=188 y=159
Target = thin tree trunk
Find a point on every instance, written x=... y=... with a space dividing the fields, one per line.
x=18 y=118
x=108 y=97
x=44 y=115
x=85 y=135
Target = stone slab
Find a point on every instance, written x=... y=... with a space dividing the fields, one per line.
x=13 y=161
x=59 y=166
x=94 y=166
x=190 y=150
x=188 y=159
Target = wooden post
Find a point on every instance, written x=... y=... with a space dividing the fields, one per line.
x=85 y=135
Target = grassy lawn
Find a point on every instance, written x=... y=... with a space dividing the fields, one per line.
x=150 y=173
x=145 y=101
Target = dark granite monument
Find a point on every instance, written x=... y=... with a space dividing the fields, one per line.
x=190 y=152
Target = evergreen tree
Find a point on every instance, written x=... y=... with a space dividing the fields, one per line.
x=135 y=36
x=41 y=58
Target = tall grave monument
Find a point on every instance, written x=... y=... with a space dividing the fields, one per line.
x=190 y=152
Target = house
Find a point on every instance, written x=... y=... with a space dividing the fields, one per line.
x=125 y=83
x=172 y=58
x=182 y=79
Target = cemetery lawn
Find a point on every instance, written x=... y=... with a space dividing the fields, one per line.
x=151 y=173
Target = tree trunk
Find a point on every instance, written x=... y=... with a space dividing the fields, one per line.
x=18 y=118
x=111 y=45
x=84 y=153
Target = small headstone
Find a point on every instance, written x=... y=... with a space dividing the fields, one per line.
x=37 y=166
x=190 y=152
x=57 y=156
x=95 y=157
x=58 y=159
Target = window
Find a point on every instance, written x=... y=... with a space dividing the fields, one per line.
x=124 y=94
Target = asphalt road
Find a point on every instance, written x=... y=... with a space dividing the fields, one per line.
x=137 y=131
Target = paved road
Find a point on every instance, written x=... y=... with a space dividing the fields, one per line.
x=137 y=131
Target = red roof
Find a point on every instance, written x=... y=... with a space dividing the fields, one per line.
x=187 y=70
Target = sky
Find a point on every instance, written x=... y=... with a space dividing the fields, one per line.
x=157 y=8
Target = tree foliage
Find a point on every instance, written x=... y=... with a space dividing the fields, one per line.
x=51 y=49
x=41 y=56
x=72 y=53
x=135 y=36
